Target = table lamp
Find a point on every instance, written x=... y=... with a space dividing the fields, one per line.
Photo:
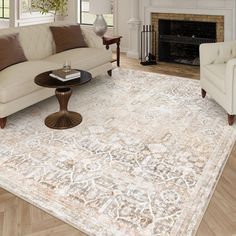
x=100 y=7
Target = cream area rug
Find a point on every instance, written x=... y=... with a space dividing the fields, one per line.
x=144 y=161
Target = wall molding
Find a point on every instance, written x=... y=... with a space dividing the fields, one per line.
x=226 y=8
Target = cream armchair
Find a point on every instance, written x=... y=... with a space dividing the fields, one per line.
x=218 y=74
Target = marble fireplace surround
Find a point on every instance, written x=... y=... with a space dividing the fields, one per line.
x=142 y=10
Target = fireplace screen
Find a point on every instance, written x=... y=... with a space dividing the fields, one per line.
x=179 y=40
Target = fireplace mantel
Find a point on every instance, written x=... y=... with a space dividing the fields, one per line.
x=226 y=8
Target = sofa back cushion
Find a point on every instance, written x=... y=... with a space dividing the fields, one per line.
x=36 y=40
x=68 y=37
x=11 y=51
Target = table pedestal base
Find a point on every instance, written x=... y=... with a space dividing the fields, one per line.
x=63 y=120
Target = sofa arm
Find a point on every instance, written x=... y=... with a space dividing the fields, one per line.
x=230 y=85
x=91 y=38
x=217 y=53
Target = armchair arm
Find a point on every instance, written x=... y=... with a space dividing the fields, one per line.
x=217 y=53
x=91 y=38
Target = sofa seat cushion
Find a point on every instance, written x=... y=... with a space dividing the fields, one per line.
x=215 y=73
x=82 y=58
x=18 y=80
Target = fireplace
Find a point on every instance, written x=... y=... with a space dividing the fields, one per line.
x=179 y=40
x=179 y=35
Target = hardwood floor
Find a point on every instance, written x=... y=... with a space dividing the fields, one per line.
x=19 y=218
x=162 y=68
x=220 y=216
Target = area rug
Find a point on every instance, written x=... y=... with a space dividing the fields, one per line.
x=144 y=161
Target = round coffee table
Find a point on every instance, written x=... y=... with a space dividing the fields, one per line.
x=63 y=119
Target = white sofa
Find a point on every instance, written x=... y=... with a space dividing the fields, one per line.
x=218 y=72
x=17 y=87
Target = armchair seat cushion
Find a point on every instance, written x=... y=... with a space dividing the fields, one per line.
x=215 y=73
x=82 y=58
x=18 y=80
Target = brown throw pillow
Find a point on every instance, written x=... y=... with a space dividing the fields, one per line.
x=11 y=51
x=68 y=37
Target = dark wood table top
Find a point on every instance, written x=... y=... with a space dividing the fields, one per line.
x=108 y=40
x=45 y=80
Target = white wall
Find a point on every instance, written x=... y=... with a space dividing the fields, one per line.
x=123 y=16
x=4 y=24
x=72 y=11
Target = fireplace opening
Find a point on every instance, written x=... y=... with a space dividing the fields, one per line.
x=179 y=40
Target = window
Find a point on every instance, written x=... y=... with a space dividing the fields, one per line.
x=87 y=18
x=25 y=6
x=4 y=9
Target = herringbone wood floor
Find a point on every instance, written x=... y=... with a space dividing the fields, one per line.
x=19 y=218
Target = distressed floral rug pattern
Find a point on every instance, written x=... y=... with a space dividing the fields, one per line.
x=144 y=161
